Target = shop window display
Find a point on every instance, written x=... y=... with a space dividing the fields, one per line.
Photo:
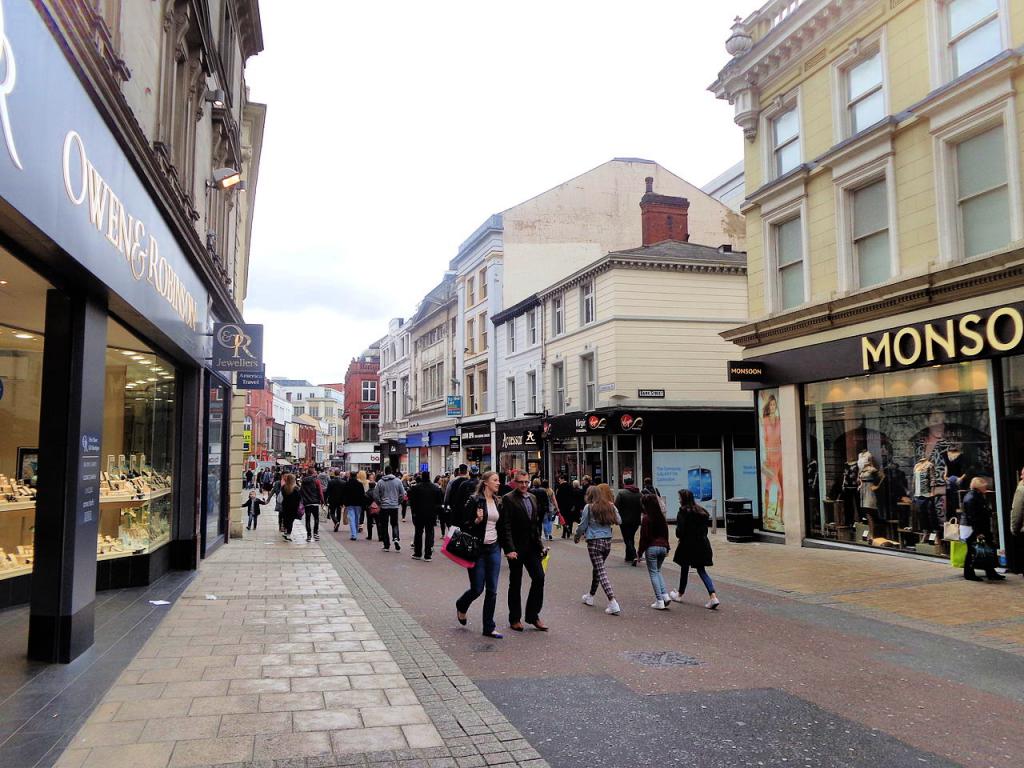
x=890 y=456
x=136 y=486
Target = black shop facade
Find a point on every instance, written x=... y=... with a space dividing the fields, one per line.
x=711 y=452
x=113 y=429
x=885 y=429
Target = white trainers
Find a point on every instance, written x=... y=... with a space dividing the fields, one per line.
x=658 y=605
x=666 y=600
x=713 y=603
x=675 y=597
x=588 y=599
x=613 y=608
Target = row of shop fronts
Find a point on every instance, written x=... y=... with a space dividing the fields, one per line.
x=873 y=439
x=711 y=452
x=114 y=431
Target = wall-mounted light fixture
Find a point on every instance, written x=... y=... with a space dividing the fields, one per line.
x=225 y=178
x=215 y=97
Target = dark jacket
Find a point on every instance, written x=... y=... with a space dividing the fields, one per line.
x=253 y=505
x=629 y=502
x=692 y=531
x=336 y=491
x=466 y=520
x=290 y=503
x=543 y=502
x=312 y=493
x=459 y=499
x=354 y=495
x=976 y=513
x=518 y=531
x=565 y=497
x=425 y=500
x=653 y=533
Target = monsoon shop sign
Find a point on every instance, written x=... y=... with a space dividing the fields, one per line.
x=985 y=333
x=64 y=171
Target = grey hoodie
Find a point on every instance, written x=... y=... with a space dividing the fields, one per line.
x=388 y=492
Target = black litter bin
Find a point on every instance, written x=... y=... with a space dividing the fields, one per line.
x=739 y=520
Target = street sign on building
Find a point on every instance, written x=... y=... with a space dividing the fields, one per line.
x=246 y=439
x=453 y=405
x=251 y=379
x=237 y=347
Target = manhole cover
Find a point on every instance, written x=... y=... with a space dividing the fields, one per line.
x=660 y=659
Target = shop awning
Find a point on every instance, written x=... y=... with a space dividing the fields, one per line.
x=284 y=462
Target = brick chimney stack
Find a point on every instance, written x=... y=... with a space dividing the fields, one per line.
x=663 y=217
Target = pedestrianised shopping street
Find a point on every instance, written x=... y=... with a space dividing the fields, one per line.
x=566 y=385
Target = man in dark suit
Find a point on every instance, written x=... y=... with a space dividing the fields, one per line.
x=425 y=499
x=520 y=537
x=565 y=498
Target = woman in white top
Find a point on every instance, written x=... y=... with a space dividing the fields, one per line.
x=481 y=520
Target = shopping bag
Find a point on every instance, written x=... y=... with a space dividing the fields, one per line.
x=344 y=515
x=957 y=553
x=951 y=530
x=302 y=510
x=545 y=560
x=984 y=555
x=454 y=558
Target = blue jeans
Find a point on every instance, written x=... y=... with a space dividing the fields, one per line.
x=549 y=525
x=353 y=520
x=483 y=576
x=655 y=556
x=684 y=571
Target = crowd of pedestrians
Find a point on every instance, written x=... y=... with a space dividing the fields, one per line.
x=511 y=519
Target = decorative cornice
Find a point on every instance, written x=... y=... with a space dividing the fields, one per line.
x=955 y=283
x=70 y=23
x=623 y=262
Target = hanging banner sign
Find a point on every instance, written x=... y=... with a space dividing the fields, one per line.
x=251 y=379
x=237 y=347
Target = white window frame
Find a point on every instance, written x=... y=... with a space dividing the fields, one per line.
x=941 y=69
x=557 y=315
x=510 y=396
x=531 y=391
x=482 y=283
x=370 y=390
x=588 y=298
x=510 y=330
x=859 y=52
x=782 y=104
x=880 y=169
x=531 y=327
x=588 y=389
x=960 y=123
x=770 y=220
x=470 y=292
x=558 y=387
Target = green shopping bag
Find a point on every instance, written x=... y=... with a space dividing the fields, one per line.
x=957 y=553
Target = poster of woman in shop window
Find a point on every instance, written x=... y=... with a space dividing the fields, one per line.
x=770 y=435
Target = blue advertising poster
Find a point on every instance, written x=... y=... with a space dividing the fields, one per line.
x=698 y=471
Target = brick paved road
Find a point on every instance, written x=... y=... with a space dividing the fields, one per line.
x=816 y=658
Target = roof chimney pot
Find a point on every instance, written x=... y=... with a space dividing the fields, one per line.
x=650 y=184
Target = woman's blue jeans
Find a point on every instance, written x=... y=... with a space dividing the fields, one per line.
x=353 y=520
x=549 y=525
x=655 y=556
x=684 y=571
x=483 y=579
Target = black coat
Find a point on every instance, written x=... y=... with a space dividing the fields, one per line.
x=312 y=493
x=977 y=513
x=629 y=502
x=543 y=502
x=290 y=503
x=692 y=531
x=425 y=500
x=565 y=496
x=466 y=519
x=517 y=530
x=354 y=495
x=336 y=491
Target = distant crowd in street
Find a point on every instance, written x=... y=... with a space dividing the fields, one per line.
x=485 y=517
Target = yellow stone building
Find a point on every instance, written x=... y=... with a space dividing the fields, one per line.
x=884 y=225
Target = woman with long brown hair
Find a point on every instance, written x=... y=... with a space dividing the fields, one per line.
x=654 y=547
x=291 y=499
x=694 y=548
x=599 y=514
x=483 y=513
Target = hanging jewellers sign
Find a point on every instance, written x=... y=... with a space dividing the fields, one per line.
x=63 y=170
x=986 y=333
x=237 y=347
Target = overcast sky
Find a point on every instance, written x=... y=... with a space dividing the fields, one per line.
x=395 y=128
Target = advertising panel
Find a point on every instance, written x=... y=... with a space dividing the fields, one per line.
x=769 y=435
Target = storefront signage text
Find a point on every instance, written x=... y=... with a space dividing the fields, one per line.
x=527 y=439
x=975 y=334
x=237 y=347
x=453 y=405
x=630 y=423
x=123 y=231
x=744 y=370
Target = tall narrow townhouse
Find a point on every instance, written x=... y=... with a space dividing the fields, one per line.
x=396 y=395
x=431 y=430
x=886 y=279
x=125 y=135
x=536 y=243
x=361 y=446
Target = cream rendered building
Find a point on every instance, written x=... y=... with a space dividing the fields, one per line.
x=884 y=231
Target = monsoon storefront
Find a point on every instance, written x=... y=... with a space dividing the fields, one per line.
x=113 y=431
x=872 y=440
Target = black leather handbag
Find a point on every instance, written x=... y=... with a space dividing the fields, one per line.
x=464 y=545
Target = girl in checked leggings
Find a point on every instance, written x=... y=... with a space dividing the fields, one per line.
x=599 y=515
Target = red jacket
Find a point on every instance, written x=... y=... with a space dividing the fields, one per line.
x=653 y=533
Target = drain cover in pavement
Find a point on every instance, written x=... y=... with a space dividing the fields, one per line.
x=660 y=659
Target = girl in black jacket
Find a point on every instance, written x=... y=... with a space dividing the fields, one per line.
x=694 y=548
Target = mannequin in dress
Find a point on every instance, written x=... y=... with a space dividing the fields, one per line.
x=923 y=483
x=868 y=480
